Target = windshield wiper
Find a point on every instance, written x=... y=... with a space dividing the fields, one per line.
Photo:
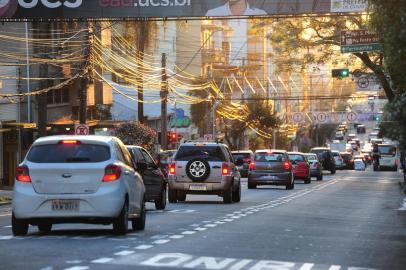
x=77 y=159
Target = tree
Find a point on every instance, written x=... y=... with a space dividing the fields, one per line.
x=260 y=115
x=388 y=19
x=135 y=133
x=293 y=40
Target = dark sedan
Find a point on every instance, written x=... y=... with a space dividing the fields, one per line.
x=271 y=168
x=154 y=179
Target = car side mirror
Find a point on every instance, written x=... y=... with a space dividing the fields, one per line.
x=142 y=166
x=239 y=162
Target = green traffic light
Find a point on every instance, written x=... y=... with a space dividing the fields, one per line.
x=345 y=73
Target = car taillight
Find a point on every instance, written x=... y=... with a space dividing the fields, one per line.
x=396 y=162
x=23 y=174
x=225 y=169
x=69 y=142
x=112 y=173
x=287 y=166
x=252 y=165
x=172 y=169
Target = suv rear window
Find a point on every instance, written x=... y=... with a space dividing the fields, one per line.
x=269 y=157
x=387 y=150
x=60 y=153
x=209 y=153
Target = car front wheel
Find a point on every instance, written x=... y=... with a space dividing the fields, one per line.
x=19 y=226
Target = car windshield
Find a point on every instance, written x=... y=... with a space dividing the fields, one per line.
x=311 y=157
x=336 y=154
x=320 y=153
x=209 y=153
x=268 y=157
x=296 y=157
x=387 y=150
x=65 y=153
x=243 y=156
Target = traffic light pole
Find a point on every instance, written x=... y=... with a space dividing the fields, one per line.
x=164 y=101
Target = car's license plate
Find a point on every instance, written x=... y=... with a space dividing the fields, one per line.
x=269 y=177
x=65 y=205
x=197 y=187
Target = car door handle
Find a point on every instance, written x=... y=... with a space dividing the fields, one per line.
x=216 y=167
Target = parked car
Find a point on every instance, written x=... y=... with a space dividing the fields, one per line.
x=80 y=179
x=339 y=162
x=348 y=160
x=326 y=158
x=154 y=179
x=204 y=168
x=388 y=157
x=271 y=167
x=301 y=168
x=350 y=137
x=245 y=157
x=316 y=169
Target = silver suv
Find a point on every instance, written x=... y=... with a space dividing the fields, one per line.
x=203 y=168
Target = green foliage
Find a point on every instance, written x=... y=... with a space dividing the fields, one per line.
x=135 y=133
x=199 y=112
x=389 y=21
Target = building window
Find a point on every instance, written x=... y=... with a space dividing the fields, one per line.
x=58 y=96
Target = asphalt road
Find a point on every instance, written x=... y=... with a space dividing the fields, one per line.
x=348 y=221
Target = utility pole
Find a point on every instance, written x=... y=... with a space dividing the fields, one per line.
x=141 y=48
x=84 y=82
x=164 y=101
x=43 y=33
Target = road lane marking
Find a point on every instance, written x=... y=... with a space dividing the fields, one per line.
x=78 y=268
x=161 y=241
x=124 y=253
x=176 y=236
x=188 y=232
x=307 y=266
x=143 y=247
x=200 y=229
x=102 y=260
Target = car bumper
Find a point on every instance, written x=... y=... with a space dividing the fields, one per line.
x=315 y=172
x=187 y=186
x=269 y=178
x=107 y=202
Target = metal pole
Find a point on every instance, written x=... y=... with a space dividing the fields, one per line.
x=164 y=100
x=28 y=74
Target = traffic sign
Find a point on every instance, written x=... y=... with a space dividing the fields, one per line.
x=322 y=117
x=298 y=117
x=363 y=82
x=208 y=137
x=352 y=116
x=359 y=41
x=82 y=129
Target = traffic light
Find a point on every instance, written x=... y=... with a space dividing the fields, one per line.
x=173 y=137
x=340 y=73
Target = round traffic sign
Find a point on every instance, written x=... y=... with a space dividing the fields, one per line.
x=81 y=130
x=352 y=116
x=322 y=117
x=363 y=82
x=298 y=117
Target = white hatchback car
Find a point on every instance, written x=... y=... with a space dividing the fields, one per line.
x=78 y=179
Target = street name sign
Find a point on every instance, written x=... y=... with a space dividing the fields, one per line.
x=359 y=41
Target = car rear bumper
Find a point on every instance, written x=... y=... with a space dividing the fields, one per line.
x=210 y=187
x=316 y=172
x=107 y=202
x=269 y=178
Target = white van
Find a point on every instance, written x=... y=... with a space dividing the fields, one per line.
x=388 y=157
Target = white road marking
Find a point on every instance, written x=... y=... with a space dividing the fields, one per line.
x=307 y=266
x=143 y=247
x=102 y=260
x=159 y=236
x=200 y=229
x=335 y=267
x=188 y=232
x=8 y=226
x=176 y=236
x=161 y=241
x=7 y=237
x=124 y=253
x=5 y=215
x=210 y=225
x=77 y=268
x=74 y=262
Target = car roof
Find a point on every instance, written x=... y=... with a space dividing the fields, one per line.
x=134 y=146
x=199 y=143
x=309 y=154
x=320 y=148
x=87 y=139
x=296 y=153
x=270 y=151
x=242 y=152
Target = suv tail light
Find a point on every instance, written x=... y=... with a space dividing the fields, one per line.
x=112 y=173
x=287 y=166
x=225 y=169
x=23 y=174
x=172 y=169
x=396 y=162
x=251 y=166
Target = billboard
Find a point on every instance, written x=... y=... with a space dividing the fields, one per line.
x=119 y=9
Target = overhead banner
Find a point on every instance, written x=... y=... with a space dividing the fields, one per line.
x=121 y=9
